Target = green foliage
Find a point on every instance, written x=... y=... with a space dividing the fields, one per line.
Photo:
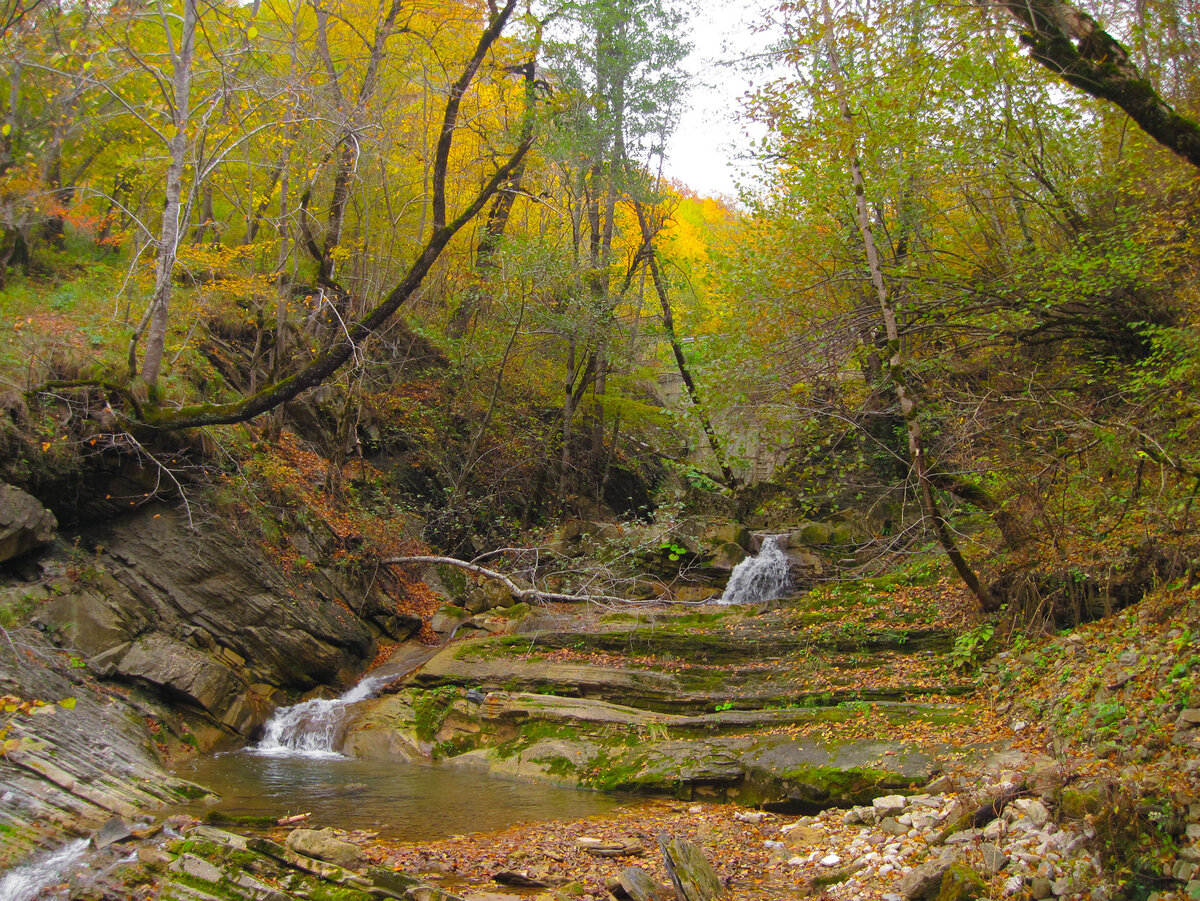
x=970 y=648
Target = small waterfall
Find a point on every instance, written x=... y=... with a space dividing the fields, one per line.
x=24 y=883
x=312 y=728
x=759 y=578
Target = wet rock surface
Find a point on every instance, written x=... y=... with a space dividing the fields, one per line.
x=82 y=760
x=720 y=702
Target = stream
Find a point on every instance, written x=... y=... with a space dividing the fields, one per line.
x=296 y=768
x=399 y=800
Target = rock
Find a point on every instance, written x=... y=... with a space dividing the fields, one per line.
x=893 y=826
x=638 y=885
x=803 y=837
x=830 y=860
x=1188 y=719
x=813 y=534
x=620 y=847
x=727 y=556
x=518 y=879
x=1035 y=810
x=323 y=844
x=1040 y=888
x=926 y=880
x=1078 y=802
x=857 y=816
x=153 y=858
x=693 y=876
x=179 y=671
x=755 y=817
x=994 y=860
x=115 y=830
x=447 y=618
x=728 y=533
x=429 y=893
x=961 y=883
x=197 y=868
x=24 y=523
x=889 y=805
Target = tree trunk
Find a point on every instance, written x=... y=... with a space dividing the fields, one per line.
x=329 y=360
x=168 y=240
x=896 y=364
x=668 y=319
x=1073 y=46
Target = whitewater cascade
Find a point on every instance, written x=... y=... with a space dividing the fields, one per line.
x=24 y=883
x=313 y=728
x=760 y=578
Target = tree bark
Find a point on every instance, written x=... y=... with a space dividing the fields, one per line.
x=523 y=594
x=668 y=319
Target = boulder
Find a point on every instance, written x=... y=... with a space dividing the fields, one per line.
x=324 y=844
x=811 y=534
x=925 y=881
x=961 y=883
x=24 y=523
x=727 y=556
x=727 y=533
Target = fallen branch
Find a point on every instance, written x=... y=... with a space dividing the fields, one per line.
x=521 y=594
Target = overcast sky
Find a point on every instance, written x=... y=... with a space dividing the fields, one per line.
x=703 y=152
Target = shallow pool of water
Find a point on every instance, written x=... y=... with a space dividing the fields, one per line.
x=403 y=801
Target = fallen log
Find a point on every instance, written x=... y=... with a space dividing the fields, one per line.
x=522 y=594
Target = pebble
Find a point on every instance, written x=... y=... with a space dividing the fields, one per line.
x=1026 y=851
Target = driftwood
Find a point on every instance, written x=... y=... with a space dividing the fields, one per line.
x=521 y=594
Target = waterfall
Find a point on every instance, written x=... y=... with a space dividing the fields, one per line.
x=312 y=728
x=24 y=883
x=759 y=578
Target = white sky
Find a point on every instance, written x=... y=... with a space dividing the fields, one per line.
x=704 y=149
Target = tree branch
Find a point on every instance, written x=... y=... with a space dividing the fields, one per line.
x=524 y=594
x=1073 y=46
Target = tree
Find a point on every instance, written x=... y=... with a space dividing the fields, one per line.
x=618 y=65
x=343 y=346
x=897 y=367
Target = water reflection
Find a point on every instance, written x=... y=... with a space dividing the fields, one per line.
x=400 y=800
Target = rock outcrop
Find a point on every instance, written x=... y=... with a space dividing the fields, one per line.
x=24 y=523
x=207 y=620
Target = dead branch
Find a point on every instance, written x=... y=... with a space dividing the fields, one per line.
x=523 y=594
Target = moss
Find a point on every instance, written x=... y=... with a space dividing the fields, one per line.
x=218 y=818
x=322 y=892
x=557 y=765
x=855 y=785
x=430 y=709
x=453 y=578
x=961 y=883
x=191 y=791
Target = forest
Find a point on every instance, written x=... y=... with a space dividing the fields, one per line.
x=372 y=339
x=959 y=289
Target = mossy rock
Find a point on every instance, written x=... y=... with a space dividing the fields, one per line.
x=961 y=883
x=1080 y=801
x=812 y=534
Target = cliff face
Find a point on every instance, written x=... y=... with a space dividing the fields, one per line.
x=207 y=622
